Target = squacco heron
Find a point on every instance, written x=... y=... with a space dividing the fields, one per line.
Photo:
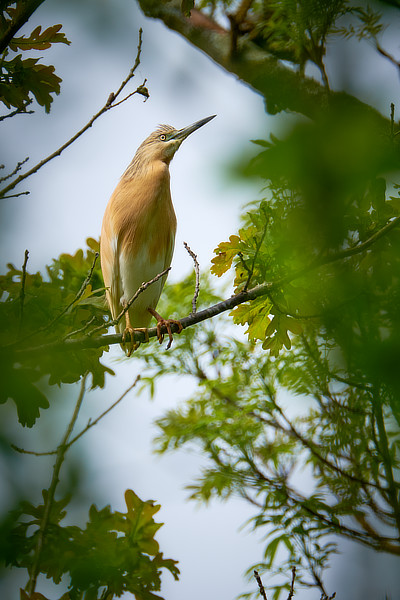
x=138 y=232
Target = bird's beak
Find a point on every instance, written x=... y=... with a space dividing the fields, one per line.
x=182 y=134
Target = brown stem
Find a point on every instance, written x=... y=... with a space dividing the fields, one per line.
x=48 y=503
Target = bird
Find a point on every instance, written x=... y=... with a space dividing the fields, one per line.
x=138 y=234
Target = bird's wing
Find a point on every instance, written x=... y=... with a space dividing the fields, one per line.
x=110 y=266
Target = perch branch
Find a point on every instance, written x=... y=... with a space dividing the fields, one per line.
x=262 y=289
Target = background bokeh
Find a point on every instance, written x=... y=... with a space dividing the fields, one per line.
x=66 y=205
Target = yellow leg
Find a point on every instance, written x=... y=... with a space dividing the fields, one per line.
x=129 y=331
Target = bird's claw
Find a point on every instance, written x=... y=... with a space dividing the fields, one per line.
x=167 y=324
x=130 y=331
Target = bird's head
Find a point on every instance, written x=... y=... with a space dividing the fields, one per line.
x=165 y=141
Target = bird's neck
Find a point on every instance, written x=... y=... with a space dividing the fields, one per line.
x=143 y=167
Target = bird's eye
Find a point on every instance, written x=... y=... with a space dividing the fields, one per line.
x=163 y=137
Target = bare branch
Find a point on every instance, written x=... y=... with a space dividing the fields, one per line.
x=16 y=195
x=387 y=55
x=14 y=171
x=260 y=585
x=107 y=106
x=197 y=272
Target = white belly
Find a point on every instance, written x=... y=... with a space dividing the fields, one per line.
x=134 y=272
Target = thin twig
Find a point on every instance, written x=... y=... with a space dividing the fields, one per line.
x=89 y=425
x=18 y=167
x=387 y=55
x=260 y=585
x=107 y=106
x=81 y=329
x=16 y=195
x=291 y=592
x=103 y=414
x=17 y=111
x=141 y=89
x=197 y=271
x=22 y=292
x=49 y=498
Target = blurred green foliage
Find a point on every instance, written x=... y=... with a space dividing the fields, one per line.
x=37 y=310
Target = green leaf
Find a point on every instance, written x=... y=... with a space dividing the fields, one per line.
x=39 y=40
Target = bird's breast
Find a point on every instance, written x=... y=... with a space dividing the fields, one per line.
x=144 y=219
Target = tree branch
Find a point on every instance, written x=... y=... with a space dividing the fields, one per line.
x=107 y=106
x=263 y=289
x=281 y=86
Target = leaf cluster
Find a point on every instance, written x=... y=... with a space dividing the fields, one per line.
x=22 y=79
x=326 y=197
x=40 y=309
x=115 y=553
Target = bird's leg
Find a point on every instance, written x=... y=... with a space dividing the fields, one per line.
x=165 y=323
x=129 y=331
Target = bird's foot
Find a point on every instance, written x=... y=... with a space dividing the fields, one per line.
x=167 y=323
x=129 y=332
